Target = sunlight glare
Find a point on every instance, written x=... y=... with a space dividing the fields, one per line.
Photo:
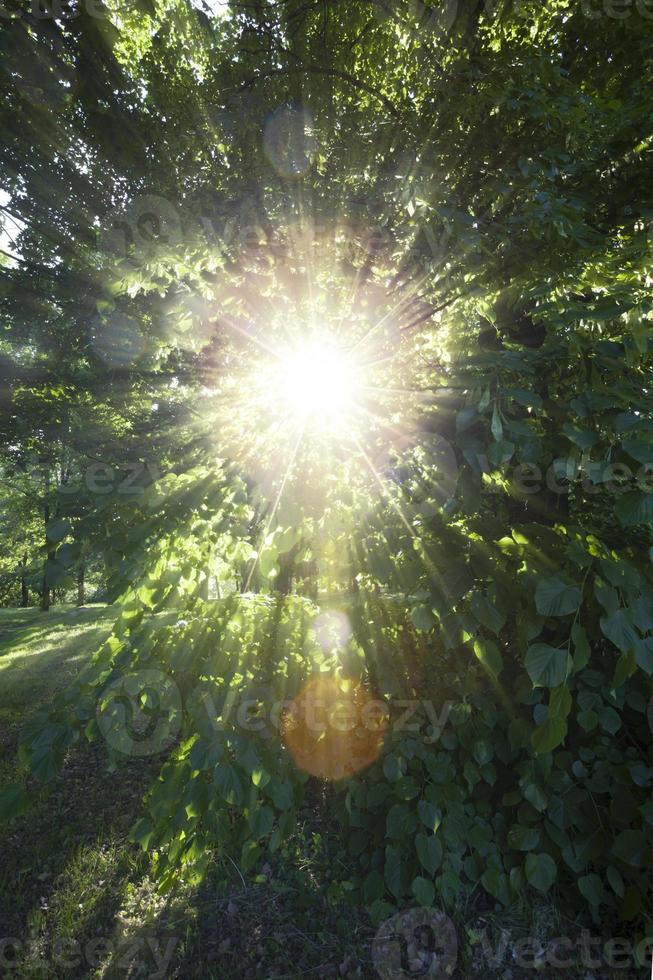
x=317 y=384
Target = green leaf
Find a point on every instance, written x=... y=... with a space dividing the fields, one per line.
x=424 y=891
x=228 y=784
x=489 y=655
x=609 y=720
x=379 y=911
x=429 y=852
x=554 y=597
x=642 y=613
x=56 y=531
x=281 y=793
x=56 y=574
x=591 y=888
x=535 y=796
x=392 y=871
x=607 y=596
x=644 y=654
x=14 y=800
x=429 y=814
x=530 y=399
x=584 y=438
x=394 y=767
x=620 y=631
x=588 y=720
x=626 y=667
x=261 y=777
x=540 y=871
x=496 y=883
x=635 y=508
x=581 y=648
x=400 y=821
x=616 y=881
x=548 y=736
x=423 y=619
x=487 y=613
x=546 y=666
x=554 y=730
x=142 y=832
x=639 y=449
x=523 y=838
x=483 y=751
x=373 y=887
x=497 y=427
x=629 y=847
x=261 y=821
x=249 y=855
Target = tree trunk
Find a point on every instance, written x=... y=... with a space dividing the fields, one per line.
x=81 y=591
x=283 y=583
x=24 y=590
x=45 y=595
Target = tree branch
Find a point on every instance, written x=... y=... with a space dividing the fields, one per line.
x=332 y=72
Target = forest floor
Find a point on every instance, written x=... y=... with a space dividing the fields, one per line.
x=78 y=900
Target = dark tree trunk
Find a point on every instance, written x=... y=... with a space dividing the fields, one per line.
x=312 y=580
x=286 y=572
x=24 y=590
x=45 y=595
x=81 y=591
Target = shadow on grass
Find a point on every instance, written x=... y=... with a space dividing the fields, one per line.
x=79 y=899
x=289 y=917
x=68 y=865
x=39 y=627
x=280 y=923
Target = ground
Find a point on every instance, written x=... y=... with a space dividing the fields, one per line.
x=77 y=899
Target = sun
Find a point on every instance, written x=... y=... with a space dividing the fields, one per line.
x=318 y=384
x=314 y=376
x=301 y=398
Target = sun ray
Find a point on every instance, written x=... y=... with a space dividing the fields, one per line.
x=274 y=508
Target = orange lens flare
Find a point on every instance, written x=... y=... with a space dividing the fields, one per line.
x=334 y=728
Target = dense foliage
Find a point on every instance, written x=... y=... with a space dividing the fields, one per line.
x=466 y=187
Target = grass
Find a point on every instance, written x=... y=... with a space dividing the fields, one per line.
x=79 y=901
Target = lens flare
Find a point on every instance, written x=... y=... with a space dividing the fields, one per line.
x=334 y=728
x=317 y=384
